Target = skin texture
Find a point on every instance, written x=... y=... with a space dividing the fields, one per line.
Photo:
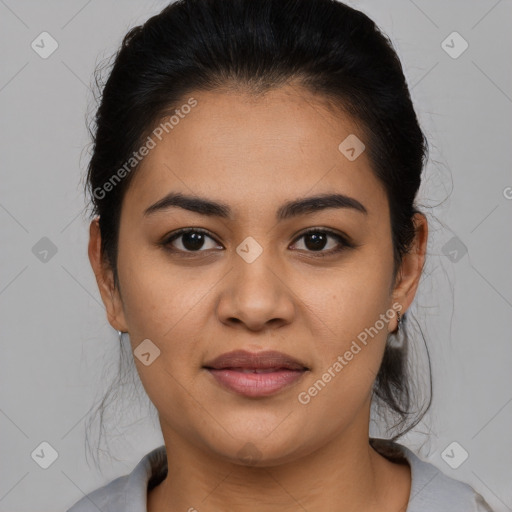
x=254 y=154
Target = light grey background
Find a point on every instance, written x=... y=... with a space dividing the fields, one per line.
x=58 y=351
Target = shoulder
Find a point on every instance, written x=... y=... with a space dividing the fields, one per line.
x=431 y=489
x=128 y=492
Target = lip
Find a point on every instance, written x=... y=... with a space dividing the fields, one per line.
x=257 y=374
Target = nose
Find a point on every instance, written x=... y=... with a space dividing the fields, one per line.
x=255 y=296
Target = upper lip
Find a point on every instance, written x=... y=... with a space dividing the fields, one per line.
x=256 y=360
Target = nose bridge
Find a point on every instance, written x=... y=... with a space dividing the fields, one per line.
x=256 y=293
x=253 y=269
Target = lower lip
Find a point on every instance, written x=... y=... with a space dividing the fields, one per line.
x=256 y=384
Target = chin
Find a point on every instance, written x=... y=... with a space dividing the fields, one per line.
x=259 y=449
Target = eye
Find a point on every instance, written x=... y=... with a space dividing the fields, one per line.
x=315 y=239
x=192 y=240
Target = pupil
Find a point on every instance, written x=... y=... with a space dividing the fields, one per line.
x=193 y=241
x=317 y=242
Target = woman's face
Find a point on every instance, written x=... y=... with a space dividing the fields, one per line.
x=253 y=281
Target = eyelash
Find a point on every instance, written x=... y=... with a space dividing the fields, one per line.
x=343 y=241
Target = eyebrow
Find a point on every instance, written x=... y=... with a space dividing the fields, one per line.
x=286 y=211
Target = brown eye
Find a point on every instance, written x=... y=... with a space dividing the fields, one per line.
x=189 y=240
x=316 y=240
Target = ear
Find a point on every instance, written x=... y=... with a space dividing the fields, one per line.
x=105 y=279
x=409 y=273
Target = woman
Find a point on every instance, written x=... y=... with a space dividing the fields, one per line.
x=254 y=176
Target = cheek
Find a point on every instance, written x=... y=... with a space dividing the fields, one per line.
x=348 y=301
x=166 y=305
x=349 y=313
x=157 y=295
x=348 y=345
x=162 y=306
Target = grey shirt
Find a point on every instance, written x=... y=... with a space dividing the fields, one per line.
x=431 y=489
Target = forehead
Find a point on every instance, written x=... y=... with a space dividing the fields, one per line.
x=250 y=150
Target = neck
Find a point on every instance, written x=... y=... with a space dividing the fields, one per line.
x=345 y=474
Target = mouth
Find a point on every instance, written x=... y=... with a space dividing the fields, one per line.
x=256 y=375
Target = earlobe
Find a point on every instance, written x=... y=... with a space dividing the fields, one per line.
x=105 y=279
